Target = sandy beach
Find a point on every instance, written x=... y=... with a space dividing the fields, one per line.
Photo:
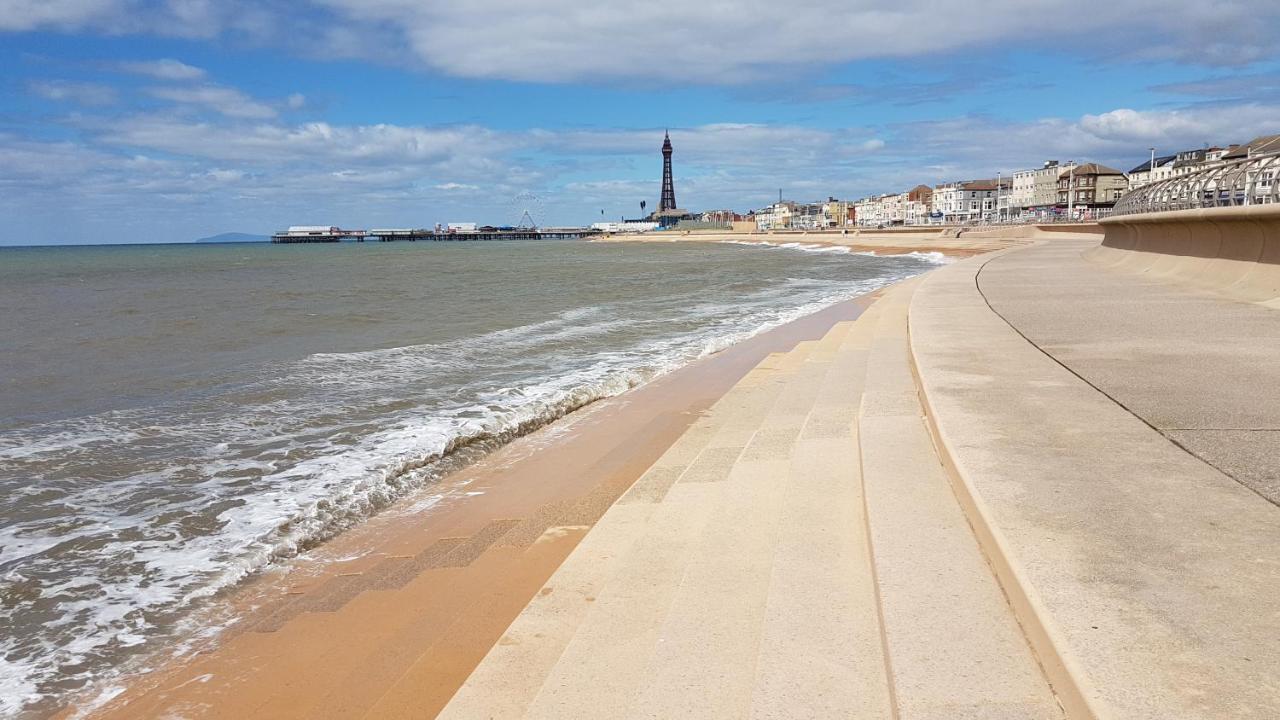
x=957 y=242
x=392 y=616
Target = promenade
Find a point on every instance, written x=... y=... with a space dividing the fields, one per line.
x=1023 y=486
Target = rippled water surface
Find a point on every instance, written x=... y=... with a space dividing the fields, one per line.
x=174 y=418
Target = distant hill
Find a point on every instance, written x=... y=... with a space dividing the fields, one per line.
x=233 y=237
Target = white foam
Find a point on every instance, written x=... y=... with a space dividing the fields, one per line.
x=17 y=687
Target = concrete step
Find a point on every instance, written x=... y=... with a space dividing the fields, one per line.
x=820 y=653
x=706 y=656
x=953 y=645
x=580 y=647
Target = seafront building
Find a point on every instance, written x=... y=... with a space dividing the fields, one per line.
x=776 y=216
x=1186 y=162
x=835 y=213
x=964 y=202
x=1153 y=170
x=1033 y=194
x=918 y=205
x=872 y=211
x=1090 y=189
x=809 y=216
x=1056 y=190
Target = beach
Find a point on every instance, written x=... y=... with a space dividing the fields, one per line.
x=396 y=629
x=823 y=519
x=204 y=452
x=392 y=617
x=954 y=242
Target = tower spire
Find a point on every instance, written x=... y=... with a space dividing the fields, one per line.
x=668 y=200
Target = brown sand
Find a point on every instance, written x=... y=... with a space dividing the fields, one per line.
x=958 y=242
x=390 y=618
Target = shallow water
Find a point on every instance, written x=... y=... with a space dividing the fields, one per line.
x=175 y=418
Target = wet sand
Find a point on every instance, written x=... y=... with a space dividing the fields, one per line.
x=390 y=618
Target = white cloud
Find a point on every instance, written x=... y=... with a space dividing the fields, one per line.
x=295 y=101
x=225 y=100
x=165 y=69
x=77 y=92
x=714 y=42
x=169 y=18
x=16 y=15
x=736 y=42
x=319 y=143
x=451 y=186
x=977 y=146
x=1188 y=127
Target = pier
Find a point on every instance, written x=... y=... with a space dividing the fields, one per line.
x=331 y=234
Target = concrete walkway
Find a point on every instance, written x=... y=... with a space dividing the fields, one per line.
x=1203 y=370
x=798 y=553
x=1147 y=579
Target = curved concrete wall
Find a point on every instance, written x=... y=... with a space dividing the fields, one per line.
x=1092 y=228
x=1232 y=251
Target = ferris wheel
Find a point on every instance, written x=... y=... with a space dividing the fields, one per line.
x=527 y=211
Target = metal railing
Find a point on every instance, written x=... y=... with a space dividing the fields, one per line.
x=1251 y=181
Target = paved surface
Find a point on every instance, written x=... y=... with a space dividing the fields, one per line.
x=1147 y=581
x=798 y=553
x=1203 y=370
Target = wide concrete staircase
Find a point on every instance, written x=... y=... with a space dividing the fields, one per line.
x=798 y=553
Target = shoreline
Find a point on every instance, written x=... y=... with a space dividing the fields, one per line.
x=954 y=242
x=541 y=492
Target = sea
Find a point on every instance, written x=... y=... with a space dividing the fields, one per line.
x=176 y=418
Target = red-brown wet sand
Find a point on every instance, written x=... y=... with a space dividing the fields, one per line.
x=388 y=619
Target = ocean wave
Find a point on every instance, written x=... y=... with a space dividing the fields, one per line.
x=933 y=257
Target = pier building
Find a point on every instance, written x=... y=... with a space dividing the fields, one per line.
x=332 y=234
x=317 y=234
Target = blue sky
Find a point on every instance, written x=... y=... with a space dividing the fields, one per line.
x=141 y=121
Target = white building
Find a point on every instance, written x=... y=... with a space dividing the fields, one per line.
x=964 y=202
x=1147 y=172
x=633 y=226
x=1034 y=192
x=835 y=213
x=808 y=216
x=1023 y=190
x=777 y=216
x=873 y=211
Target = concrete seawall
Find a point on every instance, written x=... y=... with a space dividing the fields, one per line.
x=1233 y=252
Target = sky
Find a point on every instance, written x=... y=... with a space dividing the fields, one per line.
x=145 y=121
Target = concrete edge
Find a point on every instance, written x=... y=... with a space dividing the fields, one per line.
x=1065 y=676
x=1232 y=252
x=1239 y=212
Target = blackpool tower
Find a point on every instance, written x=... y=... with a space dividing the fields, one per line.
x=668 y=201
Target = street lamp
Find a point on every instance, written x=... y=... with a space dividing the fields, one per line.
x=1151 y=169
x=999 y=184
x=1071 y=191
